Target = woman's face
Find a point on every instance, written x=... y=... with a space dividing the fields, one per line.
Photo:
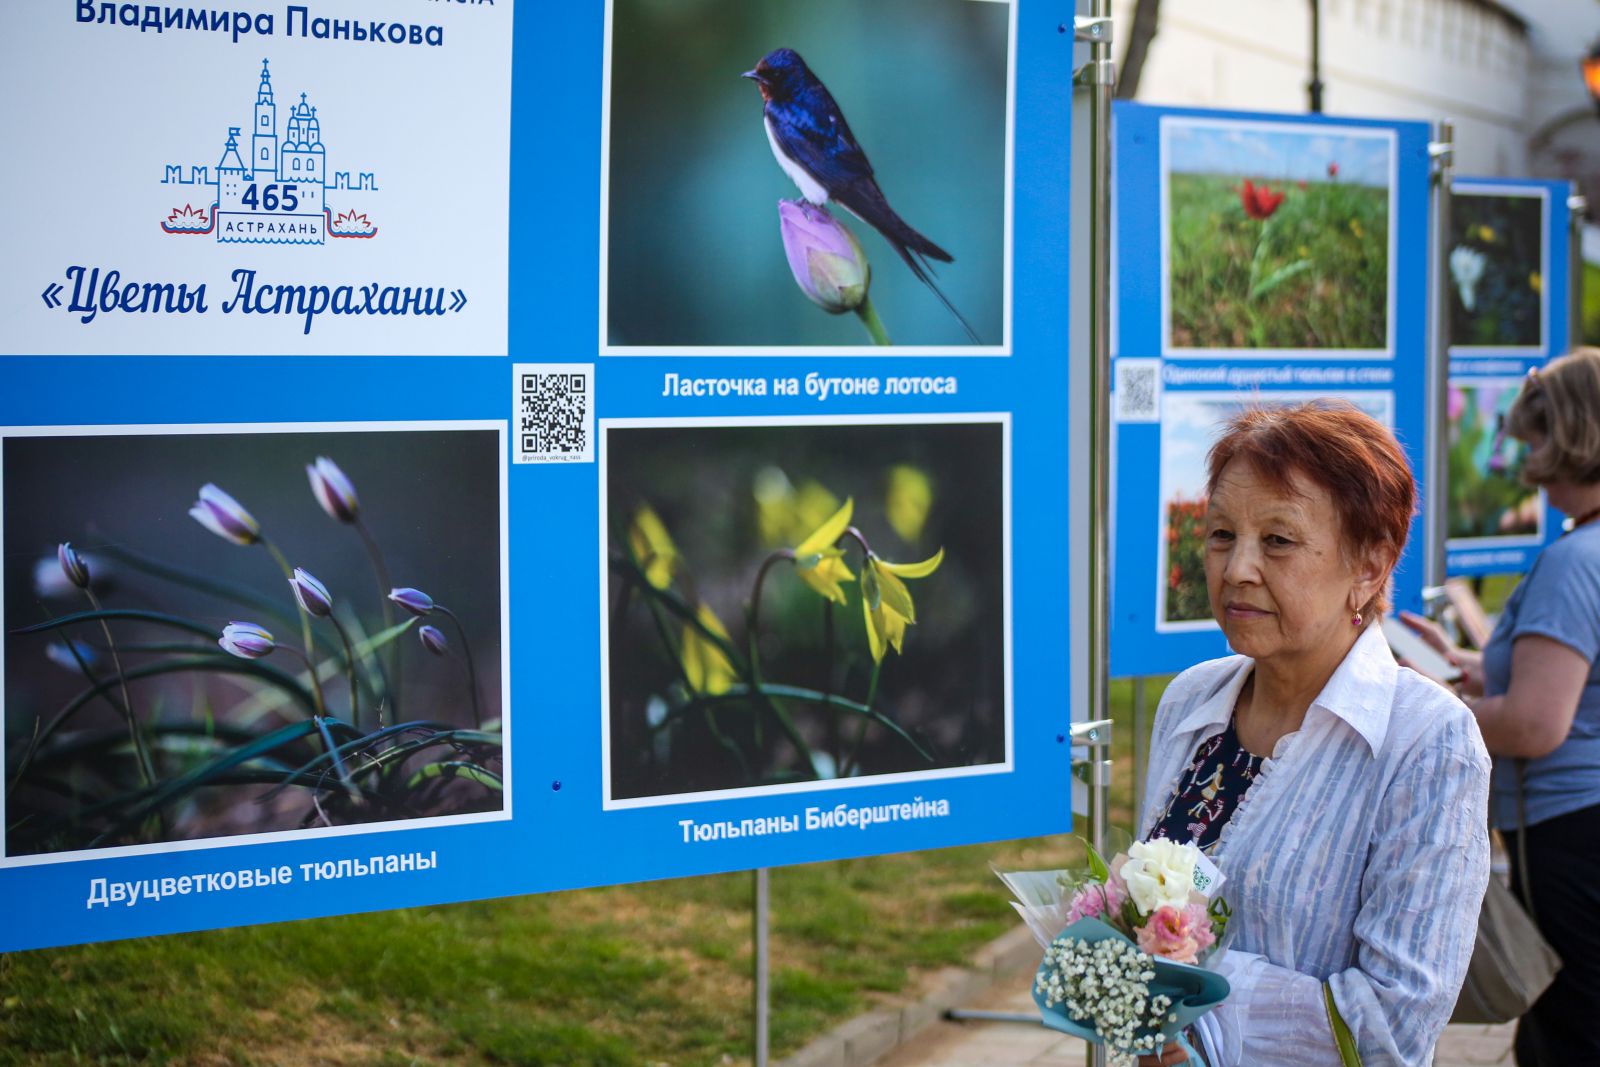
x=1278 y=582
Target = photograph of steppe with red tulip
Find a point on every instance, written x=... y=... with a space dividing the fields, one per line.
x=1277 y=236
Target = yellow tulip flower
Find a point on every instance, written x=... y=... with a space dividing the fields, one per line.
x=887 y=602
x=652 y=546
x=820 y=562
x=705 y=665
x=908 y=502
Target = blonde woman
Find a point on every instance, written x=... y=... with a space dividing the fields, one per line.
x=1535 y=690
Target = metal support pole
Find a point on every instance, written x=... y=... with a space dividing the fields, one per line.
x=759 y=966
x=1094 y=739
x=1314 y=87
x=1577 y=208
x=1099 y=78
x=1140 y=737
x=1441 y=151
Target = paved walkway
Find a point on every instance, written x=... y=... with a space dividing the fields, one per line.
x=988 y=1044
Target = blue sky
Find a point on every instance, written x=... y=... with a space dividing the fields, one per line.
x=1254 y=151
x=1191 y=422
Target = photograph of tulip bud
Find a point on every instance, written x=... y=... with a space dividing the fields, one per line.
x=262 y=631
x=832 y=174
x=1276 y=237
x=1488 y=500
x=1497 y=271
x=801 y=605
x=1191 y=422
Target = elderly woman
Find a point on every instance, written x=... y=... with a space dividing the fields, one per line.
x=1343 y=797
x=1536 y=693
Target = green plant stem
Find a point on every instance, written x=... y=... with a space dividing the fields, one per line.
x=208 y=663
x=785 y=722
x=147 y=770
x=305 y=625
x=226 y=592
x=753 y=625
x=869 y=318
x=350 y=668
x=672 y=602
x=472 y=669
x=794 y=692
x=381 y=572
x=861 y=728
x=827 y=683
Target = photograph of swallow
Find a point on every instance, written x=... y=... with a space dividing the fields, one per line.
x=813 y=144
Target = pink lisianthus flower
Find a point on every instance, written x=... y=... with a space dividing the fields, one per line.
x=1176 y=934
x=1095 y=901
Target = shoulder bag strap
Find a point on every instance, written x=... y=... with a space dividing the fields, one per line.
x=1522 y=843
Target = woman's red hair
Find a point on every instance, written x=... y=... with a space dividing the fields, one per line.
x=1333 y=444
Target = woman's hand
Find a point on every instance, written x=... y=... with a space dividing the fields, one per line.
x=1468 y=662
x=1170 y=1056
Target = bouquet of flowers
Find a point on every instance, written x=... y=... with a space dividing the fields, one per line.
x=1130 y=945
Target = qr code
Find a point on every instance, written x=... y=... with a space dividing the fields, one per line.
x=554 y=412
x=1138 y=390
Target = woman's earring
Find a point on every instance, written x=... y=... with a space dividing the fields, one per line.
x=1355 y=620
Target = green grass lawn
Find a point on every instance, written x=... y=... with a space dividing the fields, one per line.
x=647 y=974
x=1313 y=275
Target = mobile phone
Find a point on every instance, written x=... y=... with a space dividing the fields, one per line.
x=1407 y=645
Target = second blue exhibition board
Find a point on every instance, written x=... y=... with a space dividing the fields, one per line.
x=1260 y=259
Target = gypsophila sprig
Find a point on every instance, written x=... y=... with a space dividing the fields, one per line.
x=1107 y=981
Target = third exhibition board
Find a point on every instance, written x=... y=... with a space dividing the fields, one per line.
x=1509 y=290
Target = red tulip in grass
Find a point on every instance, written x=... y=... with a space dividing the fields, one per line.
x=828 y=263
x=1260 y=203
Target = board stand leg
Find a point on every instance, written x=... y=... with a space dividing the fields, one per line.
x=1094 y=738
x=760 y=971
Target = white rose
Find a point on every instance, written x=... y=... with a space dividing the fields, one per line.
x=1159 y=872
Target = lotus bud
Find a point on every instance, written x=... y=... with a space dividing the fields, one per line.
x=246 y=640
x=225 y=517
x=73 y=565
x=413 y=600
x=824 y=257
x=433 y=640
x=312 y=594
x=333 y=490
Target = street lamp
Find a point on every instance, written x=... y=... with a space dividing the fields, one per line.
x=1591 y=73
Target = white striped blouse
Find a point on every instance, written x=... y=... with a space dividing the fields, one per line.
x=1358 y=857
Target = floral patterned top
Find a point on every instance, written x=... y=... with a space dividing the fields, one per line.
x=1209 y=791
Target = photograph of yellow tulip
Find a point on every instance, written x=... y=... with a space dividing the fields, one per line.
x=796 y=605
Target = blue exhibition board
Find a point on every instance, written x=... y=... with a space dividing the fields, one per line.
x=1509 y=295
x=494 y=305
x=1260 y=258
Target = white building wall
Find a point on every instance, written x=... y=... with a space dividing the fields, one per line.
x=1404 y=59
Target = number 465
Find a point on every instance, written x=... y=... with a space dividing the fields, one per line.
x=268 y=198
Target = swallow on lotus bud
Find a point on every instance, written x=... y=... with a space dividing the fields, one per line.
x=813 y=144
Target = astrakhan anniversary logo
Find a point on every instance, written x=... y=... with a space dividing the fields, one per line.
x=282 y=194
